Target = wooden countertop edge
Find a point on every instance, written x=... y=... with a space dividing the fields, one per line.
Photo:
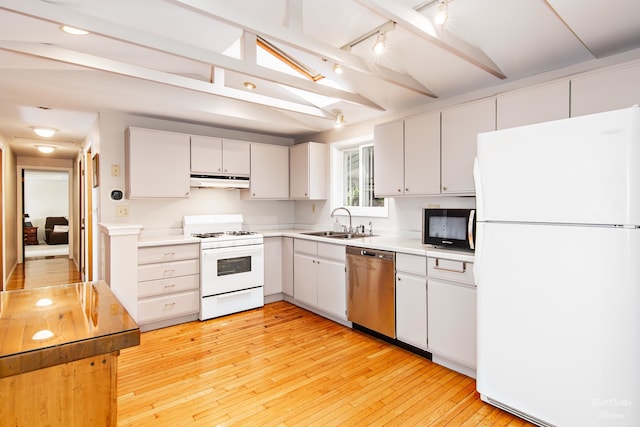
x=38 y=359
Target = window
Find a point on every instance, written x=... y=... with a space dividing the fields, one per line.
x=352 y=177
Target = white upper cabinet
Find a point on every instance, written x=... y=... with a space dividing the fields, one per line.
x=269 y=172
x=605 y=90
x=536 y=104
x=308 y=171
x=388 y=159
x=407 y=156
x=218 y=156
x=157 y=163
x=422 y=155
x=460 y=128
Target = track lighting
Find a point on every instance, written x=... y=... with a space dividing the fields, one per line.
x=337 y=68
x=379 y=45
x=339 y=117
x=443 y=13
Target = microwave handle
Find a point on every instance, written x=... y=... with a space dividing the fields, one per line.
x=472 y=215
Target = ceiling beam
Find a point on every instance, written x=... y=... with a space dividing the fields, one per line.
x=224 y=11
x=57 y=14
x=422 y=26
x=103 y=64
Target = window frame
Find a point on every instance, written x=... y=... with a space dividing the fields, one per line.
x=337 y=179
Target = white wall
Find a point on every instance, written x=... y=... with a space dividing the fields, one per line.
x=164 y=215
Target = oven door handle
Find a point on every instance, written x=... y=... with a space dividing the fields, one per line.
x=249 y=250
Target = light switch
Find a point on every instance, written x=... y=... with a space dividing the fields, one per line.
x=115 y=170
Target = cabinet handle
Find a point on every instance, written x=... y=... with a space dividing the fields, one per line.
x=444 y=188
x=453 y=270
x=168 y=272
x=399 y=190
x=169 y=255
x=169 y=305
x=399 y=279
x=169 y=286
x=406 y=190
x=225 y=171
x=253 y=194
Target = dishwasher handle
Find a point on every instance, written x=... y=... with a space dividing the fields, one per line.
x=371 y=253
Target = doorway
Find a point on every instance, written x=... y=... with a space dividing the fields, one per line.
x=46 y=207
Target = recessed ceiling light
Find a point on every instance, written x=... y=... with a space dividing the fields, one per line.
x=249 y=85
x=45 y=148
x=73 y=31
x=44 y=131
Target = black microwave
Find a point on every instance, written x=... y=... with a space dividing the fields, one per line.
x=449 y=228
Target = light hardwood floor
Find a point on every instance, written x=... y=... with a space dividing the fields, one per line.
x=284 y=366
x=43 y=272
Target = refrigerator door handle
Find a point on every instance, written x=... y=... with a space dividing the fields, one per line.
x=478 y=243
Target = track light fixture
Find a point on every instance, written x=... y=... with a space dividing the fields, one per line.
x=443 y=13
x=379 y=45
x=339 y=117
x=337 y=68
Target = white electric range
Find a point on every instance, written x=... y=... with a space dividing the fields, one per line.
x=231 y=264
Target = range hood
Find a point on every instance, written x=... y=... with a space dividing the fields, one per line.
x=219 y=181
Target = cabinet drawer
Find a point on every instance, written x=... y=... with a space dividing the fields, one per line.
x=167 y=270
x=414 y=264
x=168 y=285
x=327 y=250
x=448 y=269
x=305 y=246
x=153 y=254
x=168 y=306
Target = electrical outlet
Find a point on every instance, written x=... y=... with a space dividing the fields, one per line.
x=115 y=170
x=122 y=211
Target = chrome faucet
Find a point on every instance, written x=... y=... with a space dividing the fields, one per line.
x=347 y=210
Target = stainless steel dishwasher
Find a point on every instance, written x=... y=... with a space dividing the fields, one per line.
x=371 y=296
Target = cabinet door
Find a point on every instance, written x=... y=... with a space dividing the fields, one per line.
x=411 y=309
x=287 y=266
x=272 y=265
x=532 y=105
x=421 y=155
x=304 y=279
x=460 y=128
x=269 y=171
x=299 y=172
x=236 y=157
x=388 y=159
x=309 y=171
x=605 y=90
x=206 y=155
x=157 y=164
x=331 y=283
x=452 y=321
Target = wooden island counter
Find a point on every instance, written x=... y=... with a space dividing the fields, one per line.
x=58 y=354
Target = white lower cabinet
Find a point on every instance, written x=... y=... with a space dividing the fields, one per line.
x=287 y=266
x=411 y=300
x=319 y=278
x=451 y=321
x=168 y=284
x=272 y=265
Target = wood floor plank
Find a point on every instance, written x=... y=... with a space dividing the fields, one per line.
x=284 y=366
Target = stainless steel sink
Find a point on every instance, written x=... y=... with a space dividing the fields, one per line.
x=337 y=234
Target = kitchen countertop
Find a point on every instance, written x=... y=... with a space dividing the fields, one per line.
x=84 y=320
x=382 y=242
x=405 y=245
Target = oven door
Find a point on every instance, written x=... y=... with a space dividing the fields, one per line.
x=231 y=269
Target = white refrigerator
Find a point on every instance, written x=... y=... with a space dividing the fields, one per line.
x=557 y=268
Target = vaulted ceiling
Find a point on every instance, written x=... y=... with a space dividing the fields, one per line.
x=188 y=60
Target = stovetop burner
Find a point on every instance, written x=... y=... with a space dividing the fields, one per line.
x=223 y=233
